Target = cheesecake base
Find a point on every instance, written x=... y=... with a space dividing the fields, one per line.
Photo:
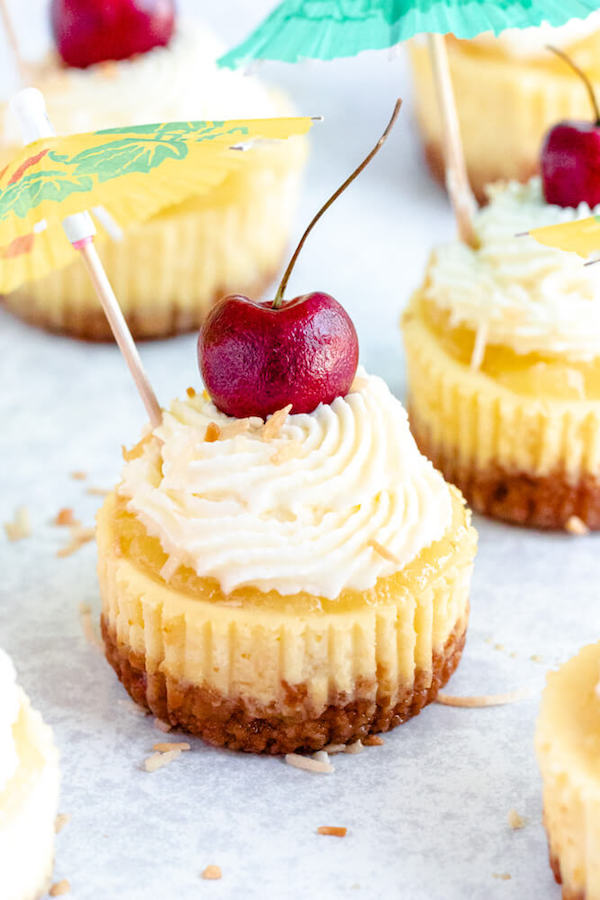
x=521 y=498
x=228 y=722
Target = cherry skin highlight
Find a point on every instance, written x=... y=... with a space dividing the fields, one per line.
x=571 y=164
x=93 y=31
x=255 y=359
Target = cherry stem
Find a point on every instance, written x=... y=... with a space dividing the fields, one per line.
x=583 y=76
x=286 y=275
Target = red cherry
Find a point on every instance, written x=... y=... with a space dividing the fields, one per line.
x=571 y=156
x=93 y=31
x=256 y=358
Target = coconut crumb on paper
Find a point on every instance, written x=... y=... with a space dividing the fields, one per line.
x=60 y=888
x=515 y=820
x=167 y=746
x=373 y=740
x=317 y=766
x=575 y=525
x=159 y=760
x=333 y=830
x=355 y=747
x=275 y=423
x=212 y=433
x=191 y=392
x=20 y=527
x=483 y=700
x=212 y=873
x=165 y=727
x=97 y=491
x=78 y=476
x=61 y=820
x=384 y=552
x=65 y=517
x=79 y=537
x=503 y=876
x=87 y=626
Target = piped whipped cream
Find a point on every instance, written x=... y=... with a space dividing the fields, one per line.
x=525 y=296
x=178 y=82
x=329 y=500
x=532 y=43
x=9 y=710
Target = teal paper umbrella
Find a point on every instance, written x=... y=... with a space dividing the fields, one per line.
x=297 y=30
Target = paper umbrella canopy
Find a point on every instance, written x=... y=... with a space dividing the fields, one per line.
x=129 y=173
x=327 y=29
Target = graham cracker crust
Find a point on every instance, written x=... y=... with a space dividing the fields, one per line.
x=567 y=893
x=521 y=498
x=87 y=323
x=479 y=176
x=228 y=722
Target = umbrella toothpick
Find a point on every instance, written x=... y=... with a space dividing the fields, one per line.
x=457 y=180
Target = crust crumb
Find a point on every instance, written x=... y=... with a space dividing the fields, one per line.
x=158 y=760
x=483 y=700
x=575 y=525
x=165 y=727
x=515 y=820
x=87 y=626
x=61 y=820
x=78 y=476
x=98 y=492
x=373 y=740
x=334 y=830
x=65 y=517
x=60 y=888
x=503 y=876
x=318 y=766
x=212 y=873
x=167 y=746
x=275 y=423
x=20 y=527
x=190 y=392
x=213 y=433
x=79 y=537
x=384 y=552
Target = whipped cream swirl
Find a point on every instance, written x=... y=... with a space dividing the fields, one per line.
x=178 y=82
x=525 y=296
x=532 y=43
x=329 y=500
x=9 y=711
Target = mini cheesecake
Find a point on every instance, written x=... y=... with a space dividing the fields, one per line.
x=503 y=354
x=509 y=91
x=280 y=585
x=568 y=751
x=29 y=782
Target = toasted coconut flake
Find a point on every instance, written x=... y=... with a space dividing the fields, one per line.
x=515 y=820
x=232 y=429
x=575 y=525
x=335 y=748
x=79 y=537
x=384 y=552
x=319 y=767
x=98 y=491
x=483 y=700
x=167 y=746
x=165 y=727
x=61 y=820
x=65 y=517
x=78 y=476
x=158 y=760
x=212 y=873
x=290 y=450
x=358 y=384
x=190 y=392
x=333 y=830
x=373 y=740
x=275 y=423
x=60 y=888
x=212 y=433
x=87 y=626
x=356 y=747
x=20 y=527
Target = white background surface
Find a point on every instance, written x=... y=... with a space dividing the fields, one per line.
x=427 y=812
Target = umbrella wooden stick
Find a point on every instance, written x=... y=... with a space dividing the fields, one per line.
x=12 y=39
x=30 y=109
x=457 y=180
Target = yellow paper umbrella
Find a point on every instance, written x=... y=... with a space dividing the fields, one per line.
x=581 y=237
x=129 y=174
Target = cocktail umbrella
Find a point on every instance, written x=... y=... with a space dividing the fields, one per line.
x=582 y=237
x=132 y=173
x=327 y=29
